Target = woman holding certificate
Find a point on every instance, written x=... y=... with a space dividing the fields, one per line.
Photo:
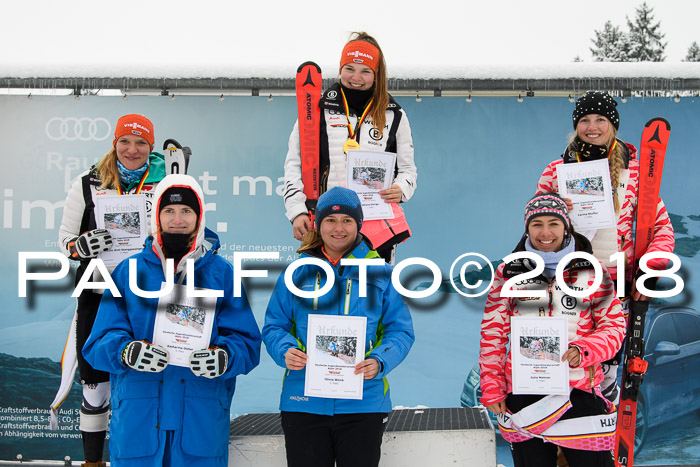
x=522 y=308
x=356 y=113
x=129 y=168
x=174 y=341
x=596 y=122
x=334 y=407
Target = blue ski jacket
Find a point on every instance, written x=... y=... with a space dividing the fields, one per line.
x=146 y=404
x=389 y=334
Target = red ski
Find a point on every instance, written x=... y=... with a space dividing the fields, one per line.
x=308 y=88
x=652 y=152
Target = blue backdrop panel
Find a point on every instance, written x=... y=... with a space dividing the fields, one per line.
x=478 y=163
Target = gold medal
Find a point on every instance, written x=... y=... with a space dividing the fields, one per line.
x=350 y=144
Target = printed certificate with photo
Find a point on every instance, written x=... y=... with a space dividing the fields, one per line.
x=125 y=218
x=369 y=172
x=588 y=186
x=183 y=324
x=334 y=345
x=536 y=347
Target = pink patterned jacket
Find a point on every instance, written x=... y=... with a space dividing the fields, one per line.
x=663 y=240
x=596 y=325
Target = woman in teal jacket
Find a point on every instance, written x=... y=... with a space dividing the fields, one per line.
x=170 y=410
x=321 y=431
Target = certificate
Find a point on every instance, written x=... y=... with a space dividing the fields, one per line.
x=537 y=345
x=183 y=324
x=368 y=173
x=125 y=218
x=588 y=186
x=334 y=345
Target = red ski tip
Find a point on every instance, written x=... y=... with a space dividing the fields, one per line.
x=309 y=63
x=656 y=119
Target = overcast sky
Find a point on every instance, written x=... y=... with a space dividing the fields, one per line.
x=42 y=36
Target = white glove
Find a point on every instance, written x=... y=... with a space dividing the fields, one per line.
x=209 y=363
x=90 y=244
x=144 y=356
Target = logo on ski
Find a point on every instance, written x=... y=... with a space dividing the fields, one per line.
x=309 y=80
x=308 y=112
x=655 y=136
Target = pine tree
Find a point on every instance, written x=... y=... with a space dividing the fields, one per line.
x=645 y=37
x=611 y=45
x=693 y=54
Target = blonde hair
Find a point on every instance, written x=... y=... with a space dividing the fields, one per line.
x=108 y=172
x=380 y=95
x=312 y=239
x=616 y=161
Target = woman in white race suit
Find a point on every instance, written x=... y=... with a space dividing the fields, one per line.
x=130 y=167
x=357 y=112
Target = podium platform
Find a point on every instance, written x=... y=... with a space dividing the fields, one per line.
x=413 y=437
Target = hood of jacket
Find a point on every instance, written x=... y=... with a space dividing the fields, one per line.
x=205 y=239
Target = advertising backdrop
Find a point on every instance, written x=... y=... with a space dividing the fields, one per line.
x=478 y=164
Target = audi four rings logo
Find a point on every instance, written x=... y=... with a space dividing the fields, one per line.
x=83 y=129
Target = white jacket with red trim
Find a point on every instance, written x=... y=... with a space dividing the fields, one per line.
x=596 y=324
x=664 y=239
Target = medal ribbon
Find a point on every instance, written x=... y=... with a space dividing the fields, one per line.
x=138 y=189
x=353 y=134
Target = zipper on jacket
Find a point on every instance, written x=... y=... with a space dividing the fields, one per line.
x=348 y=289
x=549 y=291
x=317 y=285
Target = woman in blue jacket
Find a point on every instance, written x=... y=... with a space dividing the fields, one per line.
x=321 y=431
x=169 y=409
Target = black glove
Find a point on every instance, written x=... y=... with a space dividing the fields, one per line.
x=89 y=244
x=144 y=356
x=209 y=363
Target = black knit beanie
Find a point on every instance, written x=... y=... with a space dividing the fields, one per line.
x=597 y=102
x=180 y=195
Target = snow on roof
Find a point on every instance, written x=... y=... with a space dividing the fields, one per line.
x=578 y=70
x=440 y=39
